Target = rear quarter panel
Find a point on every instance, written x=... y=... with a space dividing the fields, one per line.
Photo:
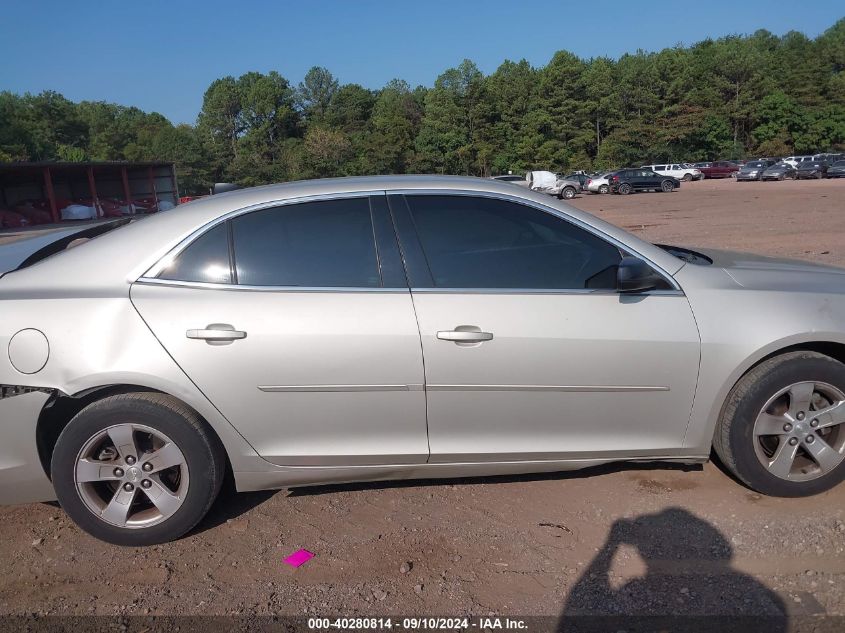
x=97 y=341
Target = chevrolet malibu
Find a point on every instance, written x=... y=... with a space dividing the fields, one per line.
x=397 y=327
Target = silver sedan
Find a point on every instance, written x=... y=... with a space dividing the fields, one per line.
x=397 y=327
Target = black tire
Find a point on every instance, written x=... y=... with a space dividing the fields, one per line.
x=624 y=189
x=203 y=453
x=687 y=177
x=733 y=440
x=667 y=186
x=604 y=188
x=567 y=193
x=782 y=177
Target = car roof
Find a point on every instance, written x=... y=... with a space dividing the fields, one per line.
x=110 y=262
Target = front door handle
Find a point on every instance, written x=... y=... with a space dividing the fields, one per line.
x=465 y=334
x=217 y=334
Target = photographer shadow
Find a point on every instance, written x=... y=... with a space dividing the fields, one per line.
x=688 y=575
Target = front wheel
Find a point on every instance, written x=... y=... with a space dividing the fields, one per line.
x=567 y=193
x=667 y=186
x=687 y=177
x=137 y=469
x=782 y=429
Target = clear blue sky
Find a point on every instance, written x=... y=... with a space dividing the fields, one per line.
x=161 y=55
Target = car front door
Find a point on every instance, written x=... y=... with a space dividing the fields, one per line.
x=530 y=352
x=650 y=179
x=297 y=323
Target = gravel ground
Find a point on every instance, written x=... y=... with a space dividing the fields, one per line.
x=617 y=540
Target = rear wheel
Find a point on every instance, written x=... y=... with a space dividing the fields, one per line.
x=782 y=430
x=604 y=189
x=667 y=186
x=624 y=189
x=137 y=469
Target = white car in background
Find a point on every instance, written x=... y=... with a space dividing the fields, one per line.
x=676 y=170
x=794 y=160
x=599 y=183
x=552 y=184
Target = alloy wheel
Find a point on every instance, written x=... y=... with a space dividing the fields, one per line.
x=131 y=476
x=799 y=435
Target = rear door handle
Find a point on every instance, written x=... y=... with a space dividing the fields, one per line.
x=217 y=334
x=465 y=334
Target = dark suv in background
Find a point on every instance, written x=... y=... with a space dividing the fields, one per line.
x=811 y=169
x=627 y=181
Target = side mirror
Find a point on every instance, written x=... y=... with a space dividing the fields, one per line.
x=223 y=187
x=634 y=275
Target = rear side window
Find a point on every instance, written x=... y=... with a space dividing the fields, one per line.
x=473 y=242
x=318 y=244
x=206 y=259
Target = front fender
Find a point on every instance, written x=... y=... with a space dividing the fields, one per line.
x=740 y=327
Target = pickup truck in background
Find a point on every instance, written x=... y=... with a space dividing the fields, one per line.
x=676 y=170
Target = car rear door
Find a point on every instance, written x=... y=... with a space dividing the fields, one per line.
x=530 y=353
x=297 y=323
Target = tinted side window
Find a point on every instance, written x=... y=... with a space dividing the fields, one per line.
x=206 y=259
x=487 y=243
x=318 y=244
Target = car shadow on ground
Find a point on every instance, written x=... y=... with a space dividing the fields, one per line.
x=684 y=574
x=584 y=473
x=230 y=504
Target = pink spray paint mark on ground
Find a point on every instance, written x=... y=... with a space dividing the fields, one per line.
x=299 y=557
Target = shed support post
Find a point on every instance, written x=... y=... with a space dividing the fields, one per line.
x=51 y=196
x=93 y=187
x=152 y=185
x=173 y=180
x=126 y=194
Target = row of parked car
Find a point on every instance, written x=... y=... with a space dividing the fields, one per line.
x=773 y=169
x=622 y=181
x=668 y=176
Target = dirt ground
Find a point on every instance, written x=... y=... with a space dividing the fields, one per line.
x=621 y=540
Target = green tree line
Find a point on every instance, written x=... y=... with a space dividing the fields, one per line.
x=731 y=97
